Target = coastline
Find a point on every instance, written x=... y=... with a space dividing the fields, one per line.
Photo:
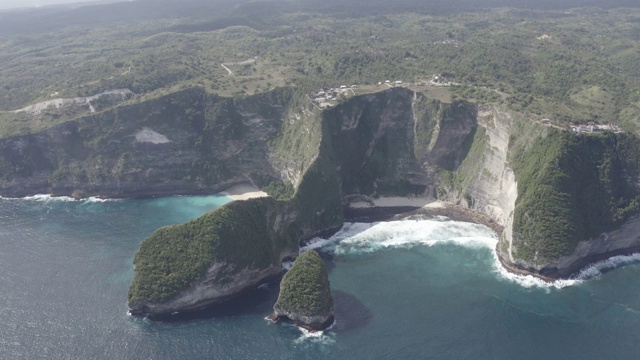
x=553 y=274
x=402 y=208
x=368 y=211
x=236 y=191
x=397 y=208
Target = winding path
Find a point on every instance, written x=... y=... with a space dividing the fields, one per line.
x=226 y=68
x=245 y=62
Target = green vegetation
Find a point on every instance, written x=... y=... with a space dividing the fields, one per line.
x=305 y=288
x=243 y=234
x=279 y=190
x=471 y=166
x=298 y=141
x=568 y=65
x=584 y=69
x=175 y=256
x=211 y=139
x=572 y=188
x=426 y=118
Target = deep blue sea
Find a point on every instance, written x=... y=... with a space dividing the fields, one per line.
x=413 y=289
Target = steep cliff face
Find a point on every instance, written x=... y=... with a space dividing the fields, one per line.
x=553 y=193
x=563 y=200
x=204 y=253
x=490 y=183
x=236 y=247
x=372 y=137
x=573 y=193
x=186 y=142
x=298 y=143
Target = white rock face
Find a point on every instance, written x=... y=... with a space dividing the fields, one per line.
x=495 y=192
x=149 y=136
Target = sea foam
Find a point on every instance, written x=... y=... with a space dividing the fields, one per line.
x=47 y=198
x=360 y=238
x=317 y=337
x=94 y=199
x=596 y=269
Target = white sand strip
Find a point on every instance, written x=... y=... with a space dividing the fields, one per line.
x=397 y=201
x=243 y=192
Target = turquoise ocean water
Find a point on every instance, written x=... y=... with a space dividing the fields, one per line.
x=414 y=289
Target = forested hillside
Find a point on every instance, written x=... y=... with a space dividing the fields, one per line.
x=565 y=62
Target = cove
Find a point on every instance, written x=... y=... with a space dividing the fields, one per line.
x=425 y=288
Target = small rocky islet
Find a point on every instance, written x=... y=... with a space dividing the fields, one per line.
x=305 y=294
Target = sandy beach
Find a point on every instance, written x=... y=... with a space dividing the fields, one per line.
x=398 y=201
x=243 y=192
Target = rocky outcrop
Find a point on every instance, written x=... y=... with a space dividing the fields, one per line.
x=223 y=260
x=622 y=241
x=210 y=291
x=234 y=248
x=188 y=142
x=372 y=138
x=577 y=201
x=305 y=294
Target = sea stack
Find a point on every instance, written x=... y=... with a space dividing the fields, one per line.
x=305 y=294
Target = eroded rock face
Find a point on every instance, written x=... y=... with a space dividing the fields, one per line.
x=305 y=294
x=209 y=291
x=392 y=143
x=187 y=142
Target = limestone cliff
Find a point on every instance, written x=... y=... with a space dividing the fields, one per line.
x=236 y=247
x=553 y=193
x=564 y=200
x=305 y=294
x=204 y=253
x=185 y=142
x=577 y=200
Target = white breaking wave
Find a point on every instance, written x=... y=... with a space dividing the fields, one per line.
x=320 y=337
x=358 y=238
x=409 y=233
x=529 y=281
x=47 y=197
x=596 y=269
x=94 y=199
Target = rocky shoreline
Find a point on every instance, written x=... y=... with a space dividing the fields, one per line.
x=457 y=213
x=554 y=274
x=361 y=214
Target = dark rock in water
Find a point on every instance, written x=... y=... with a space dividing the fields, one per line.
x=305 y=294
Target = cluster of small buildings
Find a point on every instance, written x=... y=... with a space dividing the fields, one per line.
x=437 y=80
x=592 y=127
x=388 y=82
x=323 y=96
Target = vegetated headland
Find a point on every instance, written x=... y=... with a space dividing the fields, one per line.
x=526 y=118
